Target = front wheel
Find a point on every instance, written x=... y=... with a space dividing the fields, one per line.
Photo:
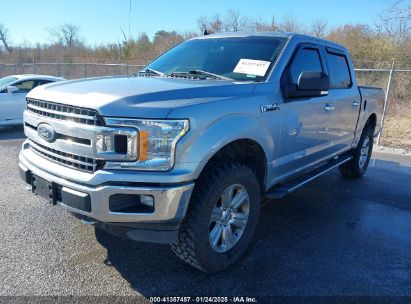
x=222 y=217
x=357 y=166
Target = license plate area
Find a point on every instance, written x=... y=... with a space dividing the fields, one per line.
x=43 y=188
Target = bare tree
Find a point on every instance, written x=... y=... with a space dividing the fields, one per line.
x=290 y=24
x=189 y=35
x=4 y=37
x=202 y=23
x=319 y=28
x=395 y=20
x=262 y=26
x=67 y=35
x=234 y=22
x=216 y=24
x=164 y=41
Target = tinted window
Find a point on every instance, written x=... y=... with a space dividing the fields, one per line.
x=306 y=59
x=25 y=86
x=339 y=71
x=41 y=82
x=219 y=55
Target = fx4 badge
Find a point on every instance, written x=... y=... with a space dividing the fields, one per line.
x=270 y=107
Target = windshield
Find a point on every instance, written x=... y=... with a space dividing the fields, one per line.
x=238 y=58
x=5 y=81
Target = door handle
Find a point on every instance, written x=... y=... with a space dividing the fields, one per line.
x=328 y=107
x=293 y=132
x=355 y=103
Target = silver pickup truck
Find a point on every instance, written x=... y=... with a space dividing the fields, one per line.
x=184 y=151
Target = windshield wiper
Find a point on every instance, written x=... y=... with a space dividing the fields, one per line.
x=201 y=72
x=205 y=73
x=151 y=71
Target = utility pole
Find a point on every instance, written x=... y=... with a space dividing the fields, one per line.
x=129 y=21
x=387 y=95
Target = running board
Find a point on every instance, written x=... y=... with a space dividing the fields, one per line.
x=282 y=190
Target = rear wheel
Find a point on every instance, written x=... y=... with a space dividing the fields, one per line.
x=357 y=166
x=222 y=217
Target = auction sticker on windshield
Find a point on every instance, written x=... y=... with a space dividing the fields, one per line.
x=250 y=66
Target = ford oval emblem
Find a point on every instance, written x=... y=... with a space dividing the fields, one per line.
x=46 y=132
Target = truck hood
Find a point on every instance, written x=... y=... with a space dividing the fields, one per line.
x=144 y=97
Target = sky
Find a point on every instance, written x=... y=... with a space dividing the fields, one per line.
x=101 y=21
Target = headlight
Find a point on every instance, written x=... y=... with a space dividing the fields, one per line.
x=156 y=143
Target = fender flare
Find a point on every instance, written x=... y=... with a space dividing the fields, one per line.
x=201 y=147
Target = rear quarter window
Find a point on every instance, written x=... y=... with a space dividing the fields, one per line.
x=339 y=71
x=41 y=82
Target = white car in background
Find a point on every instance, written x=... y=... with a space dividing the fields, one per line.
x=13 y=91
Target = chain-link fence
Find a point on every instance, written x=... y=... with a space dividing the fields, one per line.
x=69 y=70
x=397 y=115
x=395 y=82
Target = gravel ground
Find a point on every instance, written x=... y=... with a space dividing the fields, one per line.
x=333 y=237
x=395 y=151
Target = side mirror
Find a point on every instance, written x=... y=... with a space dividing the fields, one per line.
x=313 y=81
x=12 y=89
x=309 y=84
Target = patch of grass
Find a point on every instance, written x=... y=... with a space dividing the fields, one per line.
x=397 y=128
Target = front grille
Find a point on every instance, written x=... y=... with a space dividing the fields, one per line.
x=67 y=159
x=64 y=112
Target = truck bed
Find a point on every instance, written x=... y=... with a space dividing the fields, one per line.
x=372 y=101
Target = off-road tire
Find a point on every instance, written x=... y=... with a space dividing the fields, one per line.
x=193 y=245
x=352 y=168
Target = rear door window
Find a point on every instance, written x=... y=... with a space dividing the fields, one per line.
x=339 y=71
x=41 y=82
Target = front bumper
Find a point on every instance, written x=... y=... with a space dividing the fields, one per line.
x=93 y=202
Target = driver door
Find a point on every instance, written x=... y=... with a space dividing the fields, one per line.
x=306 y=127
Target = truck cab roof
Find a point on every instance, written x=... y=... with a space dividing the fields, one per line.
x=36 y=76
x=287 y=35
